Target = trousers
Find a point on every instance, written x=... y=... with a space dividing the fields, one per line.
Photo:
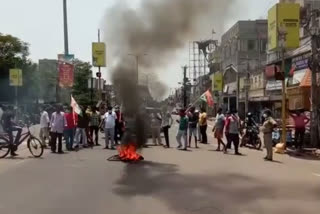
x=182 y=134
x=54 y=136
x=166 y=135
x=109 y=134
x=267 y=138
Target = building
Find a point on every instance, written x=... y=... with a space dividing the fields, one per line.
x=243 y=56
x=298 y=73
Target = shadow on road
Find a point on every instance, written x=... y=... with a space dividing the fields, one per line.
x=304 y=156
x=191 y=193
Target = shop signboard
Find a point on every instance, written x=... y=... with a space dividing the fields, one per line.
x=284 y=16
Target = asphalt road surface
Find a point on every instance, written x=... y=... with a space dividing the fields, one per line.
x=169 y=181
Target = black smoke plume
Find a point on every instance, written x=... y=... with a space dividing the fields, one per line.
x=159 y=28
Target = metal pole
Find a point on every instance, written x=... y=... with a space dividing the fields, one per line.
x=314 y=94
x=99 y=76
x=65 y=24
x=284 y=111
x=185 y=87
x=91 y=91
x=137 y=70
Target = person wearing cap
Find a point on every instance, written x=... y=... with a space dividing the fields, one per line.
x=268 y=125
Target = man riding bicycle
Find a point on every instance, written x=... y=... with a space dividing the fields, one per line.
x=9 y=126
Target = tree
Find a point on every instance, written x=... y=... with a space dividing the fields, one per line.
x=14 y=54
x=80 y=90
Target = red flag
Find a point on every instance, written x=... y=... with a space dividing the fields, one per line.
x=207 y=97
x=292 y=70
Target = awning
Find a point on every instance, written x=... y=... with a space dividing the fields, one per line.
x=297 y=77
x=306 y=80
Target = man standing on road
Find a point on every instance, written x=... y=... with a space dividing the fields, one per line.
x=192 y=125
x=166 y=124
x=218 y=129
x=203 y=125
x=119 y=128
x=109 y=120
x=44 y=126
x=95 y=120
x=183 y=130
x=300 y=122
x=9 y=126
x=82 y=124
x=70 y=128
x=58 y=123
x=156 y=128
x=268 y=125
x=232 y=130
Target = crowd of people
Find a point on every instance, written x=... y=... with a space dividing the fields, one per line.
x=82 y=130
x=231 y=127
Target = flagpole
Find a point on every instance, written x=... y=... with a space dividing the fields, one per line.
x=197 y=100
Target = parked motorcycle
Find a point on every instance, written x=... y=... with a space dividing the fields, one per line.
x=251 y=138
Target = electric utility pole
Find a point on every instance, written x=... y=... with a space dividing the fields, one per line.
x=185 y=86
x=314 y=85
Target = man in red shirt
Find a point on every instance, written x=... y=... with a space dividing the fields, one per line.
x=300 y=121
x=69 y=130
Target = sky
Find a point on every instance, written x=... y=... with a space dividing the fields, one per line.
x=40 y=24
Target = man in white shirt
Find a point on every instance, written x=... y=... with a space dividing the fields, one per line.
x=44 y=126
x=58 y=123
x=109 y=120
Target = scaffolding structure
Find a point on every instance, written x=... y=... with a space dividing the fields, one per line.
x=198 y=67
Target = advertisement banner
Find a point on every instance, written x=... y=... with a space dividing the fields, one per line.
x=289 y=18
x=272 y=28
x=15 y=77
x=66 y=75
x=286 y=16
x=218 y=81
x=99 y=54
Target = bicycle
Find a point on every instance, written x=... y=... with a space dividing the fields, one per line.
x=34 y=144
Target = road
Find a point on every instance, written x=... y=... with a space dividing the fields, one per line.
x=169 y=181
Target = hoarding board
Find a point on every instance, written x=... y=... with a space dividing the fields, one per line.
x=284 y=16
x=15 y=77
x=99 y=54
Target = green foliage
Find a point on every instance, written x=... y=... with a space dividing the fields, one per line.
x=80 y=90
x=14 y=54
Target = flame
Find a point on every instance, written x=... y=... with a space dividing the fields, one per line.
x=128 y=152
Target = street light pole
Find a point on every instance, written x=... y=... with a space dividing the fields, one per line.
x=137 y=56
x=65 y=25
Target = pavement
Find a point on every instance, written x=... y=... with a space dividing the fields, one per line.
x=169 y=181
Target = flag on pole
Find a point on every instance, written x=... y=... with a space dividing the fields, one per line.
x=76 y=108
x=207 y=97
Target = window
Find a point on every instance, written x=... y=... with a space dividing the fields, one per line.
x=251 y=45
x=263 y=45
x=244 y=45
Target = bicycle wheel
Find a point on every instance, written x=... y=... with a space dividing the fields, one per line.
x=4 y=147
x=35 y=147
